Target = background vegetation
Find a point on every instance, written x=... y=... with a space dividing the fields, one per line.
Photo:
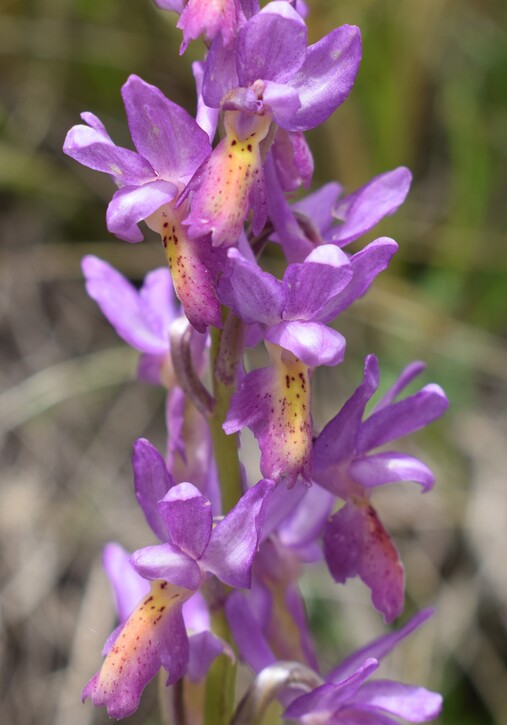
x=431 y=94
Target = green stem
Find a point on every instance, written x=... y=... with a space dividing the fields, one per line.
x=221 y=679
x=226 y=346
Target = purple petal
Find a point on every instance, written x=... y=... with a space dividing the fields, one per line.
x=309 y=286
x=415 y=704
x=150 y=368
x=356 y=544
x=132 y=204
x=295 y=244
x=381 y=646
x=167 y=562
x=123 y=307
x=271 y=46
x=330 y=697
x=313 y=343
x=402 y=418
x=201 y=17
x=407 y=375
x=337 y=441
x=282 y=101
x=162 y=132
x=327 y=76
x=204 y=648
x=318 y=206
x=248 y=635
x=188 y=518
x=127 y=585
x=152 y=481
x=293 y=159
x=306 y=522
x=235 y=539
x=254 y=295
x=364 y=208
x=92 y=148
x=366 y=265
x=220 y=72
x=280 y=505
x=196 y=614
x=206 y=117
x=153 y=636
x=158 y=302
x=389 y=467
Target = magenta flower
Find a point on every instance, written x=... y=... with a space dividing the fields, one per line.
x=170 y=147
x=355 y=542
x=268 y=75
x=154 y=633
x=346 y=697
x=328 y=217
x=275 y=402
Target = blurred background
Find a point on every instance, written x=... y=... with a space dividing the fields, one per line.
x=431 y=94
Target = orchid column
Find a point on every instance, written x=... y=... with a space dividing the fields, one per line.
x=222 y=584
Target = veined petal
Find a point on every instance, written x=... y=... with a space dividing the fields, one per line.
x=309 y=286
x=415 y=704
x=188 y=518
x=356 y=544
x=361 y=210
x=313 y=343
x=401 y=418
x=163 y=132
x=224 y=186
x=366 y=265
x=271 y=46
x=153 y=636
x=91 y=148
x=168 y=562
x=132 y=204
x=220 y=72
x=235 y=539
x=327 y=76
x=383 y=468
x=122 y=305
x=152 y=481
x=254 y=295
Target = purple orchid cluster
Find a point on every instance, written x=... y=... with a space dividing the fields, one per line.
x=221 y=584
